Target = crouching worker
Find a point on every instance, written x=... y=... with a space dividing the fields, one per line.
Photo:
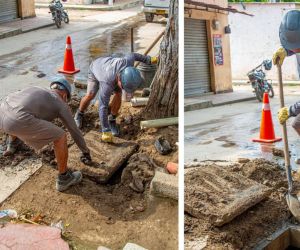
x=26 y=115
x=110 y=75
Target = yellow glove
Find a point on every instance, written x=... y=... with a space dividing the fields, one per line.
x=154 y=60
x=283 y=115
x=107 y=137
x=281 y=54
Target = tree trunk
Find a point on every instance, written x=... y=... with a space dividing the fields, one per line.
x=163 y=100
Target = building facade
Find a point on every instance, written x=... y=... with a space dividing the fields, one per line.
x=13 y=9
x=206 y=49
x=256 y=38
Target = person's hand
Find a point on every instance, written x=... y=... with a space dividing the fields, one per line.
x=283 y=115
x=107 y=136
x=86 y=158
x=279 y=56
x=154 y=60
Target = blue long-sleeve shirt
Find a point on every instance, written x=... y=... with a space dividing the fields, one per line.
x=105 y=70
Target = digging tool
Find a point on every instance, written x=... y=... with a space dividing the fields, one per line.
x=292 y=201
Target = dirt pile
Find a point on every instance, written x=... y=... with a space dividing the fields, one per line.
x=246 y=230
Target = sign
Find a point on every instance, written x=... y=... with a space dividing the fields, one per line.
x=218 y=51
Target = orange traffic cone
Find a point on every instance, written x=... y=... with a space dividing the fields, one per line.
x=267 y=133
x=69 y=67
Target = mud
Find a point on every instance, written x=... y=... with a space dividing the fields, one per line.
x=216 y=193
x=258 y=222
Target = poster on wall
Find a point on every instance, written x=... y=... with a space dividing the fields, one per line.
x=218 y=52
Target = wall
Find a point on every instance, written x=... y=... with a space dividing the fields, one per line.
x=26 y=8
x=254 y=39
x=220 y=74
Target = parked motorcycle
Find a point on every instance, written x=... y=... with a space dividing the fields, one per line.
x=257 y=78
x=58 y=12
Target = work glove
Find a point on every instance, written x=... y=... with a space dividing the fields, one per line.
x=107 y=136
x=154 y=60
x=86 y=158
x=281 y=54
x=283 y=115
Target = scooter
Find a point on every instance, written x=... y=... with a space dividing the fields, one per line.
x=257 y=78
x=58 y=12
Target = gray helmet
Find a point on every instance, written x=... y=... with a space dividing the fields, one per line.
x=131 y=79
x=289 y=31
x=63 y=83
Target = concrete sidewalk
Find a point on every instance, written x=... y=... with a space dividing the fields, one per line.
x=102 y=7
x=21 y=26
x=239 y=94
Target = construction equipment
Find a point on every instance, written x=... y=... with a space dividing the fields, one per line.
x=292 y=201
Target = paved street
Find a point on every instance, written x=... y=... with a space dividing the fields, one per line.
x=225 y=132
x=26 y=57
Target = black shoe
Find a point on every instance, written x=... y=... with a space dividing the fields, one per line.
x=113 y=125
x=64 y=181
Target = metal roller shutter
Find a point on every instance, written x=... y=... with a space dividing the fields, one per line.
x=196 y=58
x=8 y=10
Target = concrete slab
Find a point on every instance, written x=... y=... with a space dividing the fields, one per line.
x=107 y=157
x=165 y=185
x=215 y=192
x=28 y=237
x=12 y=177
x=132 y=246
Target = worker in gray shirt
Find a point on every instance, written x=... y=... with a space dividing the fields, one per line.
x=110 y=75
x=289 y=34
x=27 y=115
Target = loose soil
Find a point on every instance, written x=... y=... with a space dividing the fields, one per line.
x=258 y=222
x=113 y=214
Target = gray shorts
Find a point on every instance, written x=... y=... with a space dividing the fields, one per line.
x=92 y=84
x=296 y=122
x=34 y=132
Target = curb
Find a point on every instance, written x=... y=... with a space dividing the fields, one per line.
x=20 y=31
x=209 y=104
x=91 y=7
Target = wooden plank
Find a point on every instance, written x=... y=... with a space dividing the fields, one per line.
x=216 y=193
x=107 y=157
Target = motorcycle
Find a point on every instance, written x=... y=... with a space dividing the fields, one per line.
x=257 y=78
x=58 y=12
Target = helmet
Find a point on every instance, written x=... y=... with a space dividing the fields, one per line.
x=131 y=79
x=289 y=31
x=63 y=83
x=267 y=64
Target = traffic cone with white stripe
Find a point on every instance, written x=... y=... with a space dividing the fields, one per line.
x=267 y=133
x=69 y=66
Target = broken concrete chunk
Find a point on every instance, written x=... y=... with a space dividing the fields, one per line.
x=107 y=158
x=243 y=160
x=132 y=246
x=214 y=192
x=165 y=185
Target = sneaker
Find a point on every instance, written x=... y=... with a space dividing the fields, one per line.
x=113 y=125
x=79 y=119
x=12 y=146
x=64 y=181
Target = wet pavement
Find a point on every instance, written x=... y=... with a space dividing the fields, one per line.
x=35 y=56
x=226 y=132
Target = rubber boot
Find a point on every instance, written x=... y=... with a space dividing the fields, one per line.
x=113 y=125
x=64 y=181
x=12 y=146
x=79 y=119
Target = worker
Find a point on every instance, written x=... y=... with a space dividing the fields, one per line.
x=111 y=74
x=289 y=33
x=27 y=116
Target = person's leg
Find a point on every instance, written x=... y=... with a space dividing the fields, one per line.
x=11 y=145
x=296 y=126
x=61 y=153
x=114 y=108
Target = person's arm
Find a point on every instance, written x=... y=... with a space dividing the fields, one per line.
x=294 y=109
x=132 y=57
x=289 y=52
x=66 y=116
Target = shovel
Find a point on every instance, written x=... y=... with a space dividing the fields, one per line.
x=292 y=201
